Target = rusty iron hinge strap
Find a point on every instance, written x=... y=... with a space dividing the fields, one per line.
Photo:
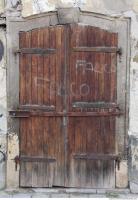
x=98 y=49
x=104 y=157
x=37 y=107
x=19 y=159
x=36 y=159
x=94 y=105
x=96 y=156
x=35 y=51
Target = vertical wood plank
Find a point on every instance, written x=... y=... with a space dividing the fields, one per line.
x=52 y=64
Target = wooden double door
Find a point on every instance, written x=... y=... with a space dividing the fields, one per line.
x=68 y=107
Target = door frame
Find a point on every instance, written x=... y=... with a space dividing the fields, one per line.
x=15 y=25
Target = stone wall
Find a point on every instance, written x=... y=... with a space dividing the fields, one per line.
x=116 y=8
x=3 y=110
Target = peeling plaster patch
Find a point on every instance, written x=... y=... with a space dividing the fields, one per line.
x=135 y=59
x=135 y=5
x=14 y=4
x=76 y=3
x=107 y=6
x=117 y=6
x=42 y=6
x=3 y=143
x=3 y=148
x=2 y=4
x=3 y=104
x=27 y=8
x=134 y=99
x=13 y=8
x=31 y=7
x=94 y=6
x=134 y=23
x=134 y=164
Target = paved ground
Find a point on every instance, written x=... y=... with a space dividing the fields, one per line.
x=67 y=193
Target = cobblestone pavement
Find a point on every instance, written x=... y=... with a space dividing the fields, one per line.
x=67 y=193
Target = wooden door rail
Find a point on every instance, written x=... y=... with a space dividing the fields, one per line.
x=27 y=113
x=98 y=49
x=35 y=51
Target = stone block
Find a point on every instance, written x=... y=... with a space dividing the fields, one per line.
x=122 y=175
x=78 y=195
x=40 y=195
x=4 y=195
x=13 y=151
x=134 y=187
x=46 y=190
x=84 y=191
x=62 y=195
x=133 y=173
x=68 y=15
x=22 y=195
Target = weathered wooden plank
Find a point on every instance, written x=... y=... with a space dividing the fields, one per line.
x=52 y=66
x=26 y=113
x=46 y=81
x=34 y=81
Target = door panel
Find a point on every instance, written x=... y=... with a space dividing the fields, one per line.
x=92 y=88
x=41 y=138
x=68 y=107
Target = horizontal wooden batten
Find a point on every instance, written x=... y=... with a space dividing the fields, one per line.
x=35 y=51
x=27 y=113
x=98 y=49
x=36 y=159
x=94 y=105
x=96 y=156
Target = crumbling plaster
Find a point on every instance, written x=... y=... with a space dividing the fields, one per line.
x=116 y=8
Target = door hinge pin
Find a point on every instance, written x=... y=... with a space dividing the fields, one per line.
x=118 y=160
x=17 y=161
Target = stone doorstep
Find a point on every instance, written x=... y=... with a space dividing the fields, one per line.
x=48 y=191
x=118 y=191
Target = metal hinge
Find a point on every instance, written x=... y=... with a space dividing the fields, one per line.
x=120 y=52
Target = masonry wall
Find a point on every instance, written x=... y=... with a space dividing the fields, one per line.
x=3 y=100
x=3 y=111
x=116 y=8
